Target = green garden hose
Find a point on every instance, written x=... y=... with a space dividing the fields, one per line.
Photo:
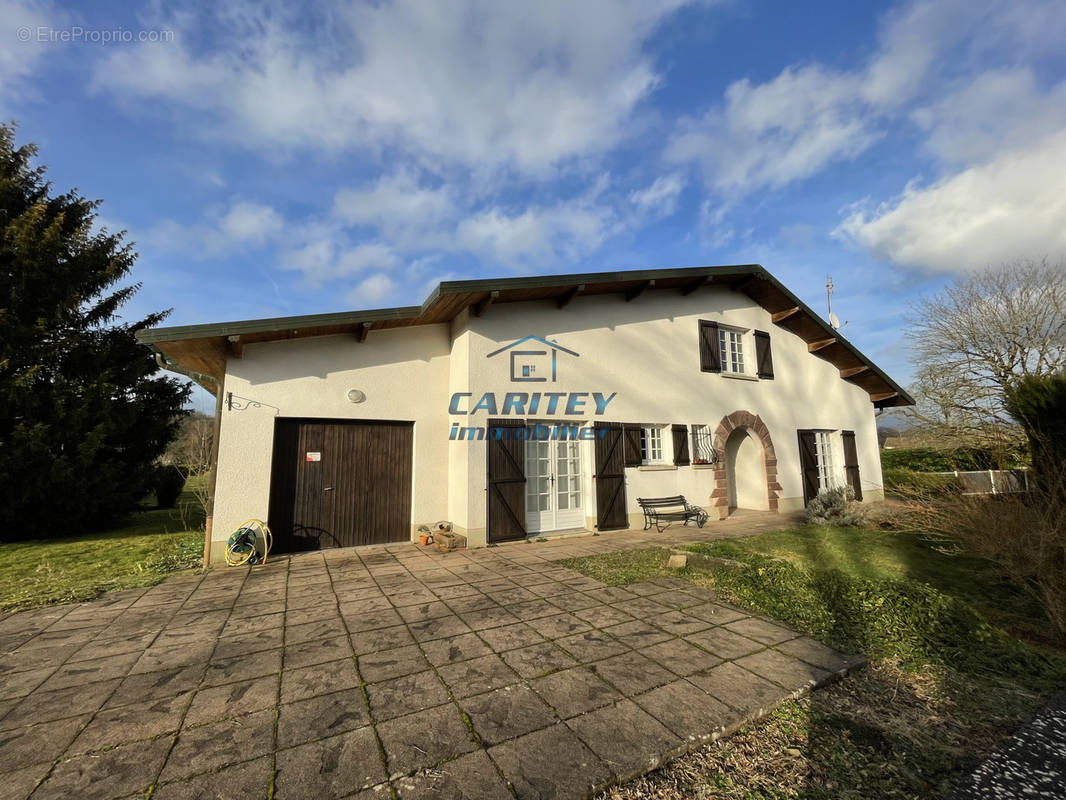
x=242 y=547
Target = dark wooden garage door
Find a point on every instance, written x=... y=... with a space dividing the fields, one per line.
x=339 y=483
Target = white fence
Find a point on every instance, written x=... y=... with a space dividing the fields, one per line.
x=992 y=481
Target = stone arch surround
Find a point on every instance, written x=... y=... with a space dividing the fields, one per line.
x=730 y=423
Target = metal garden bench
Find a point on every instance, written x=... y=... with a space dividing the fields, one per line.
x=658 y=510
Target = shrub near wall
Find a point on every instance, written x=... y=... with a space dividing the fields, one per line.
x=926 y=459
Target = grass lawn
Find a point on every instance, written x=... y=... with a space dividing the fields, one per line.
x=151 y=544
x=944 y=685
x=880 y=555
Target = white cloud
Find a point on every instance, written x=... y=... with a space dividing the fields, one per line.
x=956 y=70
x=243 y=225
x=569 y=230
x=327 y=254
x=372 y=290
x=767 y=135
x=417 y=219
x=660 y=198
x=23 y=49
x=250 y=223
x=771 y=134
x=1011 y=207
x=397 y=205
x=477 y=83
x=999 y=110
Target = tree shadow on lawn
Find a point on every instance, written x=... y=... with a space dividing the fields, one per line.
x=878 y=734
x=943 y=687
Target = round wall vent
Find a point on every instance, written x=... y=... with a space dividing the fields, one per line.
x=356 y=396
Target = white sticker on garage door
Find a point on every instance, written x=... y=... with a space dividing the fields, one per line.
x=314 y=456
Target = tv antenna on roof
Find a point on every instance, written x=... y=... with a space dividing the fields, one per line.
x=834 y=320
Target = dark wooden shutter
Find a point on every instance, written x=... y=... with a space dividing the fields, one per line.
x=631 y=445
x=610 y=477
x=851 y=463
x=808 y=464
x=681 y=457
x=505 y=466
x=710 y=354
x=763 y=357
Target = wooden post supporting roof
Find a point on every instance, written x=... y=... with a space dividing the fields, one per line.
x=570 y=294
x=637 y=291
x=482 y=305
x=704 y=281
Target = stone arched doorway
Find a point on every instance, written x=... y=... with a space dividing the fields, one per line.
x=740 y=439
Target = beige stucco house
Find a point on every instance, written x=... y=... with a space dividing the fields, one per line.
x=528 y=406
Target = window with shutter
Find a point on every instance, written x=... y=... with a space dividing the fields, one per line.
x=731 y=350
x=819 y=461
x=651 y=445
x=710 y=348
x=764 y=360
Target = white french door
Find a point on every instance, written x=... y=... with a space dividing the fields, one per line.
x=554 y=499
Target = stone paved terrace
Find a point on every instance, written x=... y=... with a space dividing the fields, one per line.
x=365 y=672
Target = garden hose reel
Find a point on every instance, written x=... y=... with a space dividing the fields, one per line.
x=249 y=544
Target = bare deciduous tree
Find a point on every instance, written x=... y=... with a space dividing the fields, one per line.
x=190 y=454
x=981 y=334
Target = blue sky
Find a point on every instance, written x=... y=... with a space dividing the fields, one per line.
x=271 y=159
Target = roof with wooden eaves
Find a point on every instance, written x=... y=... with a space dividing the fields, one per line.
x=205 y=348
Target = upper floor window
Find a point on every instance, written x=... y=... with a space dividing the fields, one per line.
x=731 y=346
x=736 y=352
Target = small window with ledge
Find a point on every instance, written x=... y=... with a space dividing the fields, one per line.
x=703 y=445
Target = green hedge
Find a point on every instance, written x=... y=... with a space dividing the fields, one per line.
x=907 y=482
x=926 y=459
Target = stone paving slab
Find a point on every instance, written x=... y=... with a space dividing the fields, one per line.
x=363 y=672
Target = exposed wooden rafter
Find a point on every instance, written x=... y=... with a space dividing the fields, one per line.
x=815 y=346
x=363 y=330
x=704 y=281
x=236 y=346
x=851 y=372
x=747 y=285
x=637 y=291
x=877 y=398
x=570 y=294
x=483 y=304
x=780 y=316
